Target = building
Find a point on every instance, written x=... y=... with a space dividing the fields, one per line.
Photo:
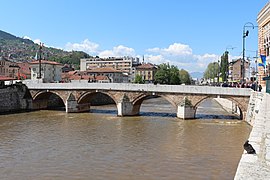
x=66 y=68
x=235 y=74
x=24 y=71
x=99 y=75
x=50 y=71
x=9 y=68
x=147 y=71
x=114 y=76
x=263 y=20
x=125 y=64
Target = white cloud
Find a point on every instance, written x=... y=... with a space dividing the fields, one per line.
x=175 y=49
x=180 y=55
x=158 y=59
x=86 y=46
x=118 y=51
x=94 y=49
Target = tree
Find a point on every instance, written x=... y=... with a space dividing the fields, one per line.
x=167 y=74
x=174 y=75
x=212 y=71
x=185 y=77
x=162 y=74
x=224 y=66
x=138 y=79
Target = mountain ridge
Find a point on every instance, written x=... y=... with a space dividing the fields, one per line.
x=22 y=49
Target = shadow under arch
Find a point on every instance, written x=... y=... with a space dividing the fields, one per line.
x=48 y=100
x=98 y=99
x=215 y=116
x=137 y=104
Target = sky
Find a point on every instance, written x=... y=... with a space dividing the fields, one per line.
x=186 y=33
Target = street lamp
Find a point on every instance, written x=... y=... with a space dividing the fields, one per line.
x=245 y=34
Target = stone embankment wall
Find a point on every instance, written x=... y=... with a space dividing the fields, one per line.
x=257 y=166
x=15 y=98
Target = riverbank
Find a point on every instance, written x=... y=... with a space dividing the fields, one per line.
x=257 y=166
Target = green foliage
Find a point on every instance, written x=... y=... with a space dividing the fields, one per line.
x=72 y=58
x=185 y=77
x=212 y=71
x=21 y=49
x=138 y=79
x=224 y=66
x=167 y=74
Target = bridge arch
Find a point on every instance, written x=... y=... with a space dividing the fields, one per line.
x=85 y=97
x=47 y=99
x=240 y=106
x=137 y=102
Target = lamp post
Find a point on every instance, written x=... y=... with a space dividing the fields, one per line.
x=245 y=34
x=39 y=61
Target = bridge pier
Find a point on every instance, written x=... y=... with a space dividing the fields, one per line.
x=185 y=110
x=72 y=105
x=126 y=108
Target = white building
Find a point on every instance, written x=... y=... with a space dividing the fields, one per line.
x=50 y=71
x=125 y=64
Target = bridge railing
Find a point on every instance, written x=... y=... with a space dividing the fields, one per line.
x=187 y=89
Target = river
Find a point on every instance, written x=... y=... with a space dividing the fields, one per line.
x=51 y=144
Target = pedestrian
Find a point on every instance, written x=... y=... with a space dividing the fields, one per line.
x=260 y=87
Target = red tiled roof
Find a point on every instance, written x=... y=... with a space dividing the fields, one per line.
x=46 y=62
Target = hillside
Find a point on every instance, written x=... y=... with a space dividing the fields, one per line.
x=20 y=49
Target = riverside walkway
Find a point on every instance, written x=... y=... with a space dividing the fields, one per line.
x=257 y=167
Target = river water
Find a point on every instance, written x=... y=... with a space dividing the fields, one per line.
x=99 y=145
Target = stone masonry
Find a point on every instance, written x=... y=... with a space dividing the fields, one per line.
x=257 y=167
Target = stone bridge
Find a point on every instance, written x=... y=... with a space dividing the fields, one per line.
x=129 y=97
